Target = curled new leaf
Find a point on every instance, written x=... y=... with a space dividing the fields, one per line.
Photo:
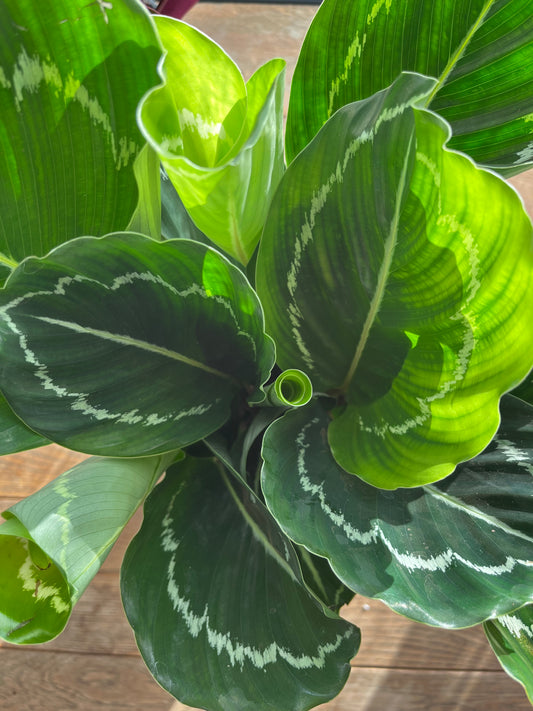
x=55 y=541
x=413 y=307
x=125 y=346
x=219 y=139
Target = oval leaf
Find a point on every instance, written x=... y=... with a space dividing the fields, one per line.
x=481 y=51
x=412 y=306
x=125 y=346
x=14 y=435
x=219 y=140
x=55 y=541
x=71 y=76
x=450 y=554
x=214 y=593
x=511 y=638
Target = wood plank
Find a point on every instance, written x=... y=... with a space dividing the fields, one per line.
x=23 y=473
x=32 y=681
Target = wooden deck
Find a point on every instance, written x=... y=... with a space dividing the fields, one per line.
x=94 y=665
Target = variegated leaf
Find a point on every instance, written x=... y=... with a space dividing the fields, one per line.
x=450 y=554
x=214 y=593
x=125 y=346
x=511 y=638
x=54 y=542
x=412 y=306
x=219 y=139
x=71 y=75
x=481 y=51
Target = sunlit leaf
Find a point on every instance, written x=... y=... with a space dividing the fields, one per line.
x=413 y=307
x=481 y=51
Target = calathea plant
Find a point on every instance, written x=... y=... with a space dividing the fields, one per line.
x=319 y=357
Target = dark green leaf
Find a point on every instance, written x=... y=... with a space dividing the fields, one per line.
x=481 y=51
x=125 y=346
x=214 y=593
x=400 y=277
x=511 y=638
x=14 y=435
x=450 y=554
x=71 y=75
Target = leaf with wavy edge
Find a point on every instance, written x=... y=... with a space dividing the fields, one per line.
x=54 y=542
x=71 y=75
x=400 y=277
x=219 y=139
x=511 y=639
x=214 y=593
x=450 y=554
x=480 y=50
x=125 y=346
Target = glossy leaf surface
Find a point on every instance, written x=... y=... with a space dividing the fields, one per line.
x=219 y=139
x=511 y=638
x=214 y=593
x=126 y=346
x=412 y=307
x=481 y=51
x=71 y=76
x=450 y=554
x=14 y=435
x=55 y=541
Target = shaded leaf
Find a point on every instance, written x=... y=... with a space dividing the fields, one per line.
x=219 y=139
x=14 y=435
x=55 y=541
x=450 y=554
x=126 y=346
x=71 y=76
x=214 y=593
x=511 y=638
x=412 y=307
x=480 y=50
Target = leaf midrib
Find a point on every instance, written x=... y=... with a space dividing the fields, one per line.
x=460 y=50
x=135 y=343
x=390 y=246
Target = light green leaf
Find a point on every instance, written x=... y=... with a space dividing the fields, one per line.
x=54 y=542
x=125 y=346
x=214 y=593
x=147 y=216
x=481 y=51
x=71 y=76
x=511 y=638
x=450 y=554
x=14 y=435
x=219 y=139
x=413 y=306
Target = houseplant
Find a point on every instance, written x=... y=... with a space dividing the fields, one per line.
x=394 y=276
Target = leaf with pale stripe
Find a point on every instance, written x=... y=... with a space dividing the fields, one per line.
x=219 y=139
x=450 y=554
x=480 y=50
x=214 y=593
x=54 y=542
x=400 y=277
x=71 y=75
x=511 y=638
x=125 y=346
